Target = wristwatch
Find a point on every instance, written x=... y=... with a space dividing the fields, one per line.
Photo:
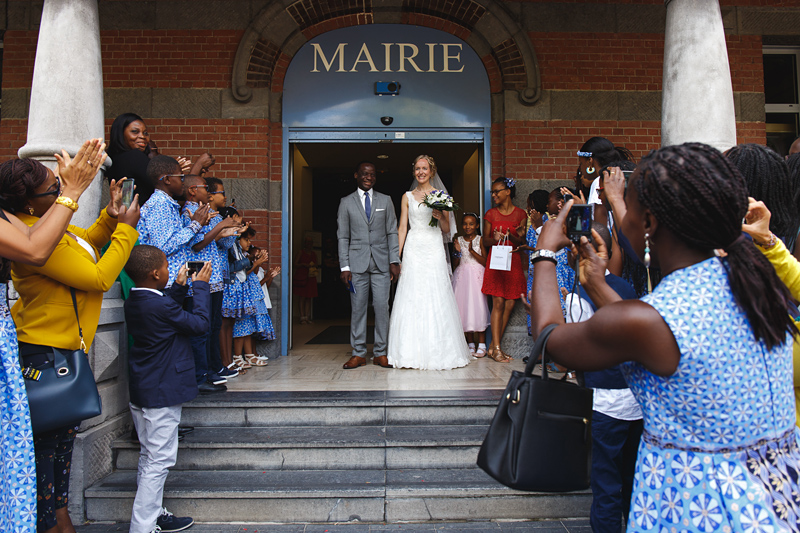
x=543 y=255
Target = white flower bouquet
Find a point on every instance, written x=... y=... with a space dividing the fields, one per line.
x=439 y=200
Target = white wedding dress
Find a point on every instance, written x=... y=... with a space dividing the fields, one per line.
x=425 y=328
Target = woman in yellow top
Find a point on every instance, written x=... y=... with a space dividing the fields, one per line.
x=786 y=266
x=33 y=245
x=44 y=314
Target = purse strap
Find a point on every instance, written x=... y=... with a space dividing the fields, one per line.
x=539 y=349
x=75 y=306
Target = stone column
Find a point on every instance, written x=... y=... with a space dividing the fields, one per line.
x=66 y=105
x=697 y=97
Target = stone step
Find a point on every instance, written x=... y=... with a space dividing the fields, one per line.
x=298 y=448
x=335 y=496
x=342 y=408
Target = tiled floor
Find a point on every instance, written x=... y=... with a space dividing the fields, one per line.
x=543 y=526
x=318 y=367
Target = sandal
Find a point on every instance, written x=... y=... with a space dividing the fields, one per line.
x=498 y=355
x=552 y=367
x=233 y=366
x=480 y=353
x=240 y=362
x=253 y=360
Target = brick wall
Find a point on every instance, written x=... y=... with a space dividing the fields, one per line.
x=252 y=148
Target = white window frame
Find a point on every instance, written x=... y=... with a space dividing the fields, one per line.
x=785 y=50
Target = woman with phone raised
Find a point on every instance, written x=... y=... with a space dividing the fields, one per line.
x=31 y=245
x=707 y=354
x=44 y=314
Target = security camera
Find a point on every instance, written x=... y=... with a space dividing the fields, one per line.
x=387 y=121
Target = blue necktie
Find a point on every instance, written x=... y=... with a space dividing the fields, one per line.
x=367 y=206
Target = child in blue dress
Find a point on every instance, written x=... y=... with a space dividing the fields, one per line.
x=259 y=323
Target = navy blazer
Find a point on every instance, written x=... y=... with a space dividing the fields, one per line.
x=161 y=360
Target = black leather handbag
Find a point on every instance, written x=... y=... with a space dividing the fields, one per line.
x=60 y=384
x=540 y=437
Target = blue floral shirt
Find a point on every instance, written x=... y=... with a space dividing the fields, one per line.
x=161 y=225
x=208 y=253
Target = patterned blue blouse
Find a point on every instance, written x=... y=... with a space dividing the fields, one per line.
x=161 y=225
x=720 y=450
x=17 y=467
x=211 y=252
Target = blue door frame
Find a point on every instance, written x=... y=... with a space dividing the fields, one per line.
x=352 y=135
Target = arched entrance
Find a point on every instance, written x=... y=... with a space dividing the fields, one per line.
x=382 y=92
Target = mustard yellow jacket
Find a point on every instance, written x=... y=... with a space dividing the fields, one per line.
x=44 y=313
x=788 y=269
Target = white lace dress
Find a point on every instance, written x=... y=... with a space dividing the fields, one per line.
x=425 y=328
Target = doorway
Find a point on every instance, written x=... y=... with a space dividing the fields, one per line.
x=323 y=174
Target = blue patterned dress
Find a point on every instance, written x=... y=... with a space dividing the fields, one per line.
x=565 y=276
x=17 y=468
x=720 y=449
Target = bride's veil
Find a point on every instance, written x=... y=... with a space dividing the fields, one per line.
x=438 y=184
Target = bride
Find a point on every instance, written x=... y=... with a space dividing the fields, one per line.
x=425 y=329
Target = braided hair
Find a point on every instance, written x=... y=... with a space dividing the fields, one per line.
x=701 y=197
x=767 y=177
x=19 y=178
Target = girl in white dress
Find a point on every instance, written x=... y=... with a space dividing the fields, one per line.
x=425 y=328
x=467 y=283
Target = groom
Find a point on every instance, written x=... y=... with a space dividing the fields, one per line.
x=369 y=258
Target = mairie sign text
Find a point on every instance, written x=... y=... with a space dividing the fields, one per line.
x=393 y=57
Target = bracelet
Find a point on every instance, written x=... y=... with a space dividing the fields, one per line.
x=772 y=242
x=67 y=202
x=544 y=258
x=544 y=255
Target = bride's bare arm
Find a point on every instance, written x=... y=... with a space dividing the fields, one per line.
x=402 y=229
x=444 y=220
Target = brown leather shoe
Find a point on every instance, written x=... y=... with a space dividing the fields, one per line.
x=354 y=362
x=381 y=360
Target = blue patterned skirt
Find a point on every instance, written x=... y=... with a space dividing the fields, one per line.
x=238 y=299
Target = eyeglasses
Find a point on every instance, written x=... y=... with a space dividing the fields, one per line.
x=54 y=192
x=498 y=191
x=199 y=186
x=217 y=192
x=181 y=176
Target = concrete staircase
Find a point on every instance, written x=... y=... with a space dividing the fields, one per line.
x=375 y=456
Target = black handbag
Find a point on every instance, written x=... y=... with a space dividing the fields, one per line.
x=540 y=437
x=60 y=384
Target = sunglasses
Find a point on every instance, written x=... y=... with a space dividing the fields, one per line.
x=217 y=192
x=181 y=176
x=54 y=192
x=199 y=187
x=498 y=191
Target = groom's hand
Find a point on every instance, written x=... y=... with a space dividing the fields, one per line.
x=346 y=277
x=394 y=271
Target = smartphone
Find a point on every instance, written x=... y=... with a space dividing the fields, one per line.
x=193 y=267
x=127 y=192
x=627 y=174
x=579 y=222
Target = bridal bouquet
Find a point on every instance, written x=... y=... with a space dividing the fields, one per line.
x=439 y=200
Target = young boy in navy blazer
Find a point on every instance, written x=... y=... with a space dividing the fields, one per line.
x=162 y=375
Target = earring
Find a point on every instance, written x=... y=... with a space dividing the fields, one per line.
x=647 y=261
x=30 y=210
x=590 y=170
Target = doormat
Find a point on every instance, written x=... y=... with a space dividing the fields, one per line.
x=340 y=335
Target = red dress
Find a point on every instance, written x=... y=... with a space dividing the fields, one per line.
x=506 y=284
x=305 y=284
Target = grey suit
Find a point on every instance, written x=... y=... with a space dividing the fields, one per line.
x=368 y=247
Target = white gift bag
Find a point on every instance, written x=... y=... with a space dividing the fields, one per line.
x=501 y=256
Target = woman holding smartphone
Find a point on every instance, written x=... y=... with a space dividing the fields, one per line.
x=44 y=314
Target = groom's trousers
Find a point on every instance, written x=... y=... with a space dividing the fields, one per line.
x=380 y=283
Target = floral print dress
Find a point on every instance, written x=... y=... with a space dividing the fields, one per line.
x=720 y=448
x=17 y=468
